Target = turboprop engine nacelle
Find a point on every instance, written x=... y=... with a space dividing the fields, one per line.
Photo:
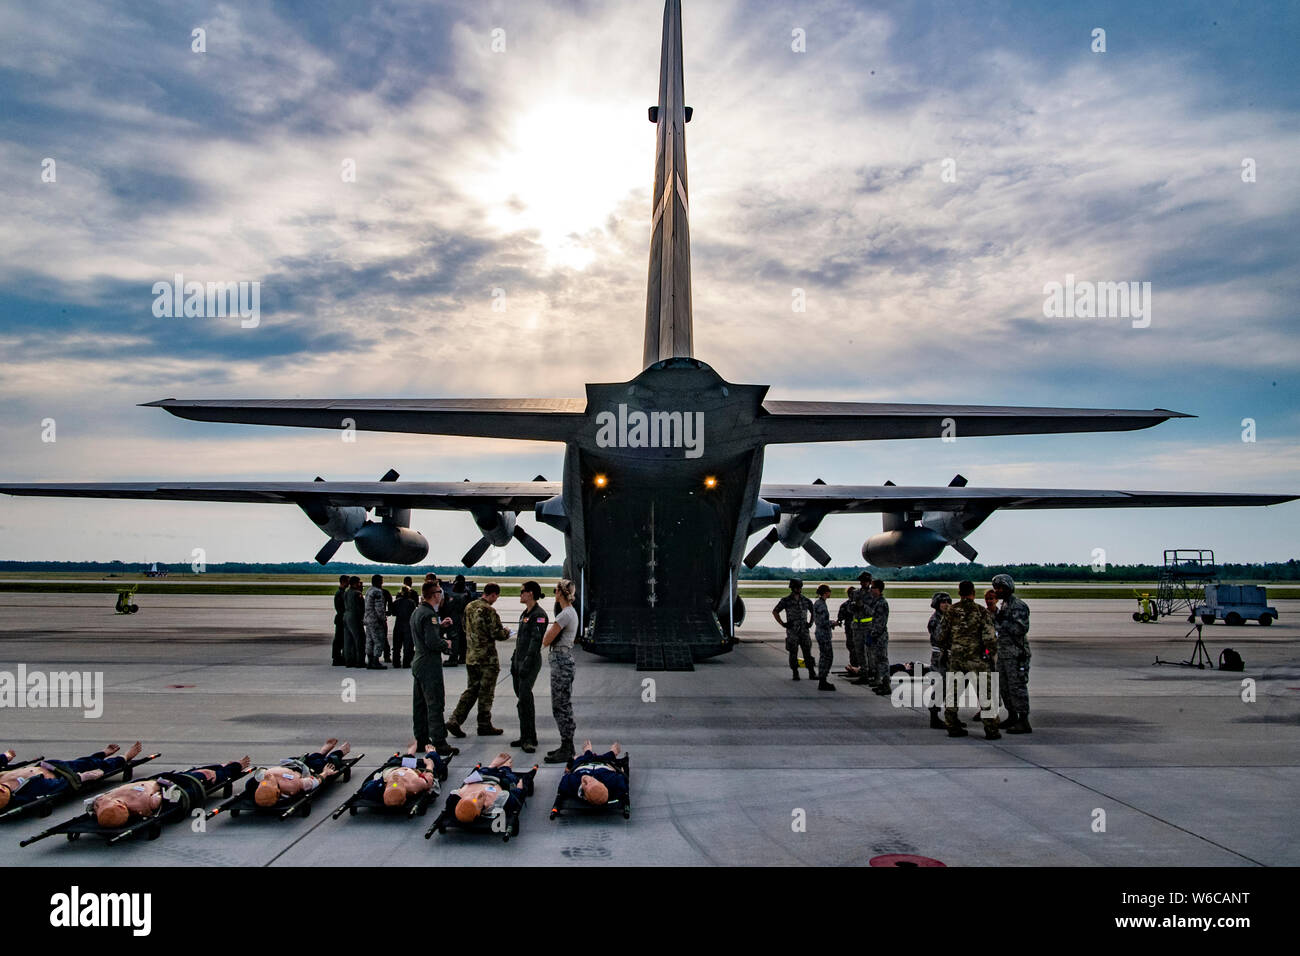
x=386 y=543
x=903 y=548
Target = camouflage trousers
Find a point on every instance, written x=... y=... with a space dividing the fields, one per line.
x=1013 y=682
x=854 y=646
x=973 y=667
x=795 y=642
x=481 y=686
x=878 y=659
x=562 y=671
x=376 y=639
x=825 y=656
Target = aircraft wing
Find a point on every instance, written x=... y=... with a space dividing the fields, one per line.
x=434 y=496
x=838 y=499
x=540 y=419
x=862 y=421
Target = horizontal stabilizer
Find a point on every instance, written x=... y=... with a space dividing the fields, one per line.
x=539 y=419
x=867 y=421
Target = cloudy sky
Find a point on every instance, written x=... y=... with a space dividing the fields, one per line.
x=528 y=169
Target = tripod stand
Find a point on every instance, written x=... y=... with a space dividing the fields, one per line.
x=1200 y=655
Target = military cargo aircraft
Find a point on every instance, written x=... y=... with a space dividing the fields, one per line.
x=661 y=487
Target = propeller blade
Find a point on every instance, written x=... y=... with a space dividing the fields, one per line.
x=816 y=552
x=889 y=483
x=957 y=482
x=964 y=549
x=535 y=547
x=759 y=551
x=472 y=556
x=324 y=554
x=390 y=475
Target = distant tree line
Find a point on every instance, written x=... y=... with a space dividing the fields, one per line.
x=940 y=571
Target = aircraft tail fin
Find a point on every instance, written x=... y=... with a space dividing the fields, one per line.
x=668 y=331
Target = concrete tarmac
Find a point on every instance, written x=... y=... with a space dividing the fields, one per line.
x=732 y=764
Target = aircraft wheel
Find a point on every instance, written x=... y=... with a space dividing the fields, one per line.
x=1265 y=620
x=1234 y=619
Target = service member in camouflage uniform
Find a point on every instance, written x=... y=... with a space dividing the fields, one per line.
x=404 y=606
x=798 y=616
x=822 y=625
x=965 y=633
x=526 y=662
x=941 y=602
x=429 y=701
x=878 y=637
x=482 y=631
x=844 y=616
x=860 y=606
x=1012 y=623
x=560 y=638
x=375 y=622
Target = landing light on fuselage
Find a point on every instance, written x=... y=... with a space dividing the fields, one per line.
x=601 y=481
x=710 y=482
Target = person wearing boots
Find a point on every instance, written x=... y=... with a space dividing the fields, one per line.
x=941 y=602
x=404 y=606
x=526 y=662
x=560 y=637
x=354 y=613
x=1012 y=623
x=878 y=638
x=375 y=621
x=483 y=629
x=340 y=628
x=965 y=633
x=822 y=625
x=798 y=616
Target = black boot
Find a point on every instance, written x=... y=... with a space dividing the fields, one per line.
x=562 y=753
x=1012 y=719
x=936 y=723
x=1021 y=726
x=794 y=673
x=825 y=685
x=958 y=732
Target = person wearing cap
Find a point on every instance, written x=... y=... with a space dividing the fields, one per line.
x=940 y=602
x=526 y=662
x=822 y=625
x=798 y=616
x=24 y=784
x=844 y=616
x=595 y=778
x=860 y=608
x=483 y=629
x=297 y=775
x=878 y=637
x=965 y=632
x=142 y=798
x=1012 y=623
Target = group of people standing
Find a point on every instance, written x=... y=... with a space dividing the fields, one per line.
x=964 y=637
x=465 y=626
